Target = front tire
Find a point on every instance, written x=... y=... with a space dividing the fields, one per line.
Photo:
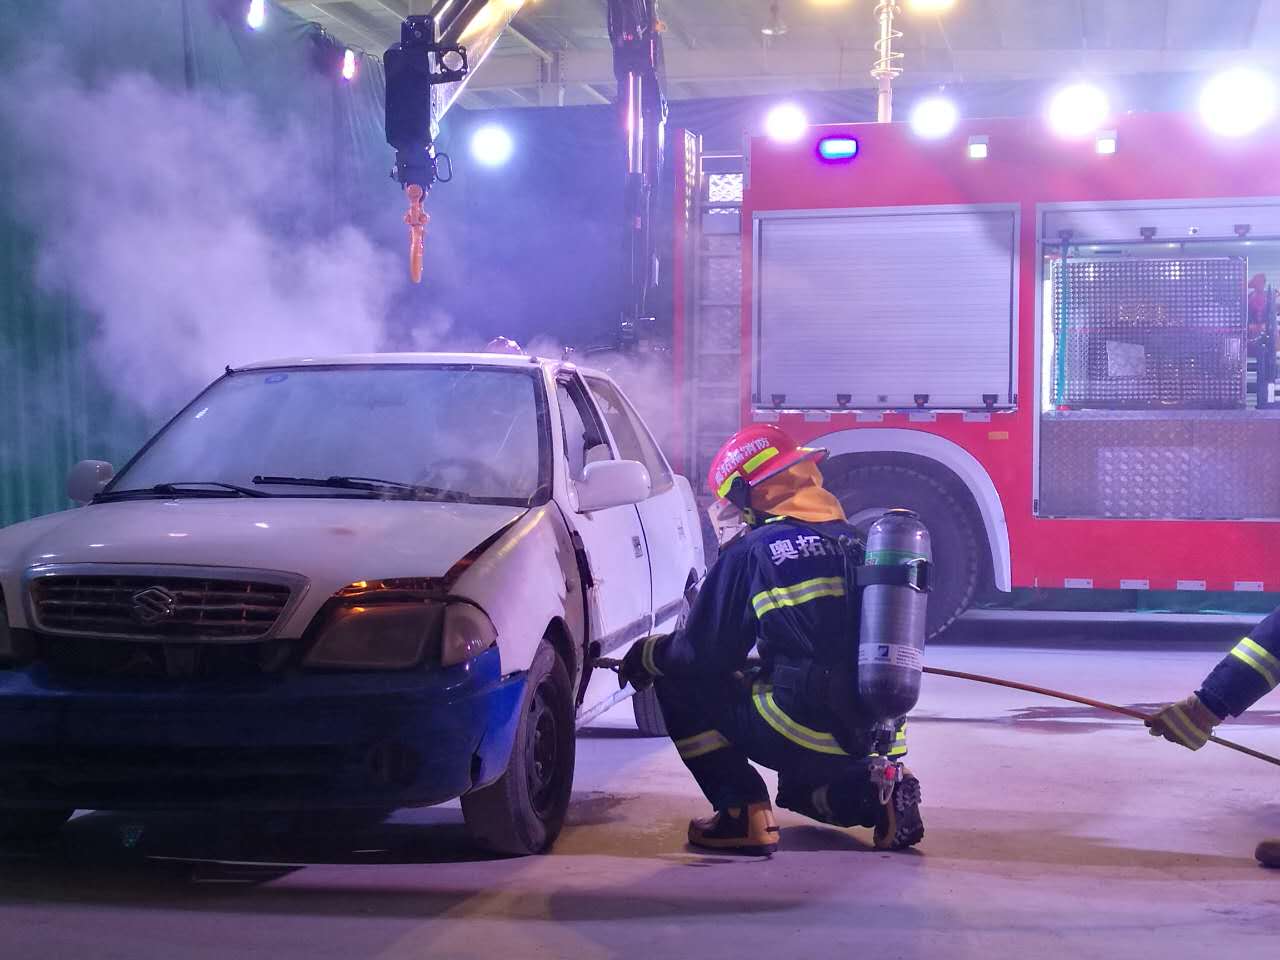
x=866 y=492
x=523 y=811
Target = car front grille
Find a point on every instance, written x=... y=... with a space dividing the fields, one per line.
x=158 y=608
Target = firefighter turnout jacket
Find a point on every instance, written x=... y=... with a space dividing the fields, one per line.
x=782 y=589
x=1248 y=673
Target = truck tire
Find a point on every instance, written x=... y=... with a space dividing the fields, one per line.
x=648 y=712
x=865 y=492
x=523 y=811
x=20 y=828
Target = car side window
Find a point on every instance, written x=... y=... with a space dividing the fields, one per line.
x=629 y=432
x=584 y=440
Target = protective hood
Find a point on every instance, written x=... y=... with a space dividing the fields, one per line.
x=797 y=492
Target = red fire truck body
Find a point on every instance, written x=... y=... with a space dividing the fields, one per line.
x=1060 y=334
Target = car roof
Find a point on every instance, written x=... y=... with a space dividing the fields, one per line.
x=412 y=359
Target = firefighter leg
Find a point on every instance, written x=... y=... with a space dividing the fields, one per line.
x=704 y=725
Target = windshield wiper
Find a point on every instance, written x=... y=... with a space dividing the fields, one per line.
x=404 y=491
x=185 y=488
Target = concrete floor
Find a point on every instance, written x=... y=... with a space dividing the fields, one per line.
x=1052 y=831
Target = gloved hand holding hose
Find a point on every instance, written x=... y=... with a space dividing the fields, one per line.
x=1188 y=722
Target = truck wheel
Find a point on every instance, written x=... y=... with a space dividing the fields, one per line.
x=866 y=492
x=19 y=828
x=523 y=811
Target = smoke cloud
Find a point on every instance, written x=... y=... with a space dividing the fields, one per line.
x=190 y=229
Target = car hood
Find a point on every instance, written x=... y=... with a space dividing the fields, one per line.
x=330 y=542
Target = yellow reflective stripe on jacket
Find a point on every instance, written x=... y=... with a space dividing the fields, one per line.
x=796 y=594
x=797 y=733
x=701 y=744
x=1258 y=657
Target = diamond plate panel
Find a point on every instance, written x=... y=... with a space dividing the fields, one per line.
x=1149 y=333
x=1208 y=465
x=724 y=188
x=719 y=329
x=721 y=280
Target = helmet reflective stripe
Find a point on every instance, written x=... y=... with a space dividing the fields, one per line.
x=752 y=465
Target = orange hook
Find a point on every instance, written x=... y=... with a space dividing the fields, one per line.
x=417 y=219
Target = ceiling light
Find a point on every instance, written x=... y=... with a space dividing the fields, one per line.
x=1078 y=110
x=934 y=118
x=979 y=147
x=1106 y=142
x=1237 y=102
x=786 y=123
x=257 y=14
x=491 y=145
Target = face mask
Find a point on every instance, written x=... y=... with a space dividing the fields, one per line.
x=726 y=521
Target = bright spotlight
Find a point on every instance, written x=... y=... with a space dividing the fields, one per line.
x=491 y=145
x=1078 y=110
x=1237 y=102
x=930 y=6
x=349 y=64
x=257 y=14
x=786 y=123
x=934 y=118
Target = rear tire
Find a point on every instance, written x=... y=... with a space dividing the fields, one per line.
x=866 y=491
x=21 y=828
x=523 y=811
x=648 y=712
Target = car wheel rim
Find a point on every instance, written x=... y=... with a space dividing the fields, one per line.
x=543 y=750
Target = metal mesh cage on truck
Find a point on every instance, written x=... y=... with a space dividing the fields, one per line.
x=1149 y=333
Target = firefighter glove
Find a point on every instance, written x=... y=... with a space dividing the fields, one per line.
x=639 y=666
x=1188 y=722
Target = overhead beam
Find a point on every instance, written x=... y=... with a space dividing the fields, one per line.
x=829 y=68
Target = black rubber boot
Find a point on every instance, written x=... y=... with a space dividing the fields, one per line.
x=899 y=824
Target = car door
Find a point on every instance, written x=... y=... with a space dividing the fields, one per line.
x=620 y=596
x=663 y=515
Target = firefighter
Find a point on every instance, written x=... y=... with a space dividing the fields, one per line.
x=781 y=587
x=1246 y=674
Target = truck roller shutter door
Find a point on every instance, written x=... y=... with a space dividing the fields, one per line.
x=878 y=308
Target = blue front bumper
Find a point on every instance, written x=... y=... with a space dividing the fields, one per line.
x=269 y=742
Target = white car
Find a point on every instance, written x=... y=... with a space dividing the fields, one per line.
x=362 y=582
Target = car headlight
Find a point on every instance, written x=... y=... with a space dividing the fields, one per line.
x=468 y=632
x=382 y=636
x=395 y=625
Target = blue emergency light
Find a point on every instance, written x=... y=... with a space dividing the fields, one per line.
x=837 y=149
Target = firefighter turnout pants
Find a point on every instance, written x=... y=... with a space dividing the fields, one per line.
x=720 y=727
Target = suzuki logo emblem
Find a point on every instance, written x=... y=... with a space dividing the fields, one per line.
x=153 y=605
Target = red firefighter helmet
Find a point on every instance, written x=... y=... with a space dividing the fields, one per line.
x=755 y=454
x=503 y=345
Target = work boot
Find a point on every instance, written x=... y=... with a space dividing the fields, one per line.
x=898 y=825
x=1268 y=852
x=751 y=830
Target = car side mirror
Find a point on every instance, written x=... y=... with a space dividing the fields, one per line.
x=612 y=483
x=87 y=479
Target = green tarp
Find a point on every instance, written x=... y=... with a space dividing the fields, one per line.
x=54 y=406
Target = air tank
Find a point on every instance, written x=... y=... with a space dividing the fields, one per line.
x=892 y=636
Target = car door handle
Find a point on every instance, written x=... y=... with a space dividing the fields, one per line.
x=637 y=546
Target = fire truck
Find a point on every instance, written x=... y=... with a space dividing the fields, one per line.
x=1060 y=352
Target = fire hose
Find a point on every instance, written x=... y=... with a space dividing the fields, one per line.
x=1044 y=692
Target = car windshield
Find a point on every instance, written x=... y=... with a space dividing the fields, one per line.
x=452 y=432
